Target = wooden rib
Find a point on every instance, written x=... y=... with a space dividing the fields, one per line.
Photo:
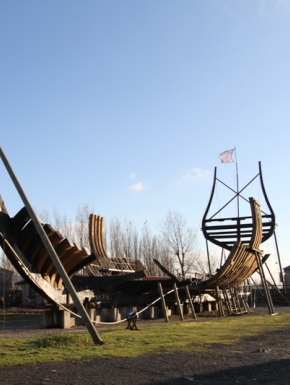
x=67 y=248
x=52 y=279
x=25 y=236
x=60 y=250
x=72 y=259
x=67 y=257
x=19 y=221
x=36 y=245
x=76 y=258
x=43 y=255
x=257 y=234
x=84 y=262
x=96 y=237
x=241 y=262
x=239 y=266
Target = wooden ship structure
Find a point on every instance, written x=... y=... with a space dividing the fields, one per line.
x=118 y=282
x=242 y=237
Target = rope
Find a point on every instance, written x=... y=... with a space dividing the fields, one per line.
x=139 y=312
x=96 y=322
x=116 y=322
x=70 y=311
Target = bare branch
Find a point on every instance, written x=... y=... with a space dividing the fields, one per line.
x=179 y=241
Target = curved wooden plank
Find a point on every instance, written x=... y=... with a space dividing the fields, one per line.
x=96 y=238
x=257 y=233
x=30 y=244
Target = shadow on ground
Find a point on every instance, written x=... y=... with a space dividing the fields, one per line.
x=273 y=373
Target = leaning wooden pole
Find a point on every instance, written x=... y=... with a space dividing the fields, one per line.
x=280 y=266
x=265 y=284
x=67 y=282
x=219 y=301
x=190 y=301
x=274 y=285
x=178 y=302
x=163 y=302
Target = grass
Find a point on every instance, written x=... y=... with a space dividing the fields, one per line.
x=15 y=320
x=197 y=336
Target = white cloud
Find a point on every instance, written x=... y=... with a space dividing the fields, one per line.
x=140 y=186
x=196 y=175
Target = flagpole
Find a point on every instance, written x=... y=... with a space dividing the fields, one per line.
x=238 y=202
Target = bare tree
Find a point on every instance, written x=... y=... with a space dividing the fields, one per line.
x=148 y=250
x=165 y=258
x=136 y=246
x=116 y=238
x=180 y=241
x=130 y=241
x=62 y=224
x=152 y=248
x=44 y=216
x=203 y=261
x=81 y=228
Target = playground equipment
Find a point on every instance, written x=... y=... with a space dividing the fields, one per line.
x=49 y=262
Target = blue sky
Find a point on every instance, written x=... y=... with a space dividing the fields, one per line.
x=126 y=105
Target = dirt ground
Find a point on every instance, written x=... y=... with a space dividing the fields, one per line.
x=261 y=360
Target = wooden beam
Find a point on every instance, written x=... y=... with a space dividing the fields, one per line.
x=163 y=302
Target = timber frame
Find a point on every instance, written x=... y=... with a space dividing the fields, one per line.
x=23 y=246
x=22 y=241
x=103 y=265
x=241 y=262
x=224 y=232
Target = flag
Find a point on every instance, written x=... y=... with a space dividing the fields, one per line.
x=226 y=156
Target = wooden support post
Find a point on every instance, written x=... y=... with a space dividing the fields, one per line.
x=227 y=301
x=257 y=289
x=200 y=303
x=163 y=302
x=265 y=284
x=178 y=302
x=190 y=301
x=67 y=282
x=237 y=299
x=219 y=301
x=279 y=260
x=245 y=304
x=233 y=301
x=275 y=286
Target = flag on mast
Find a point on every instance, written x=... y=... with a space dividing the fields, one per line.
x=226 y=156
